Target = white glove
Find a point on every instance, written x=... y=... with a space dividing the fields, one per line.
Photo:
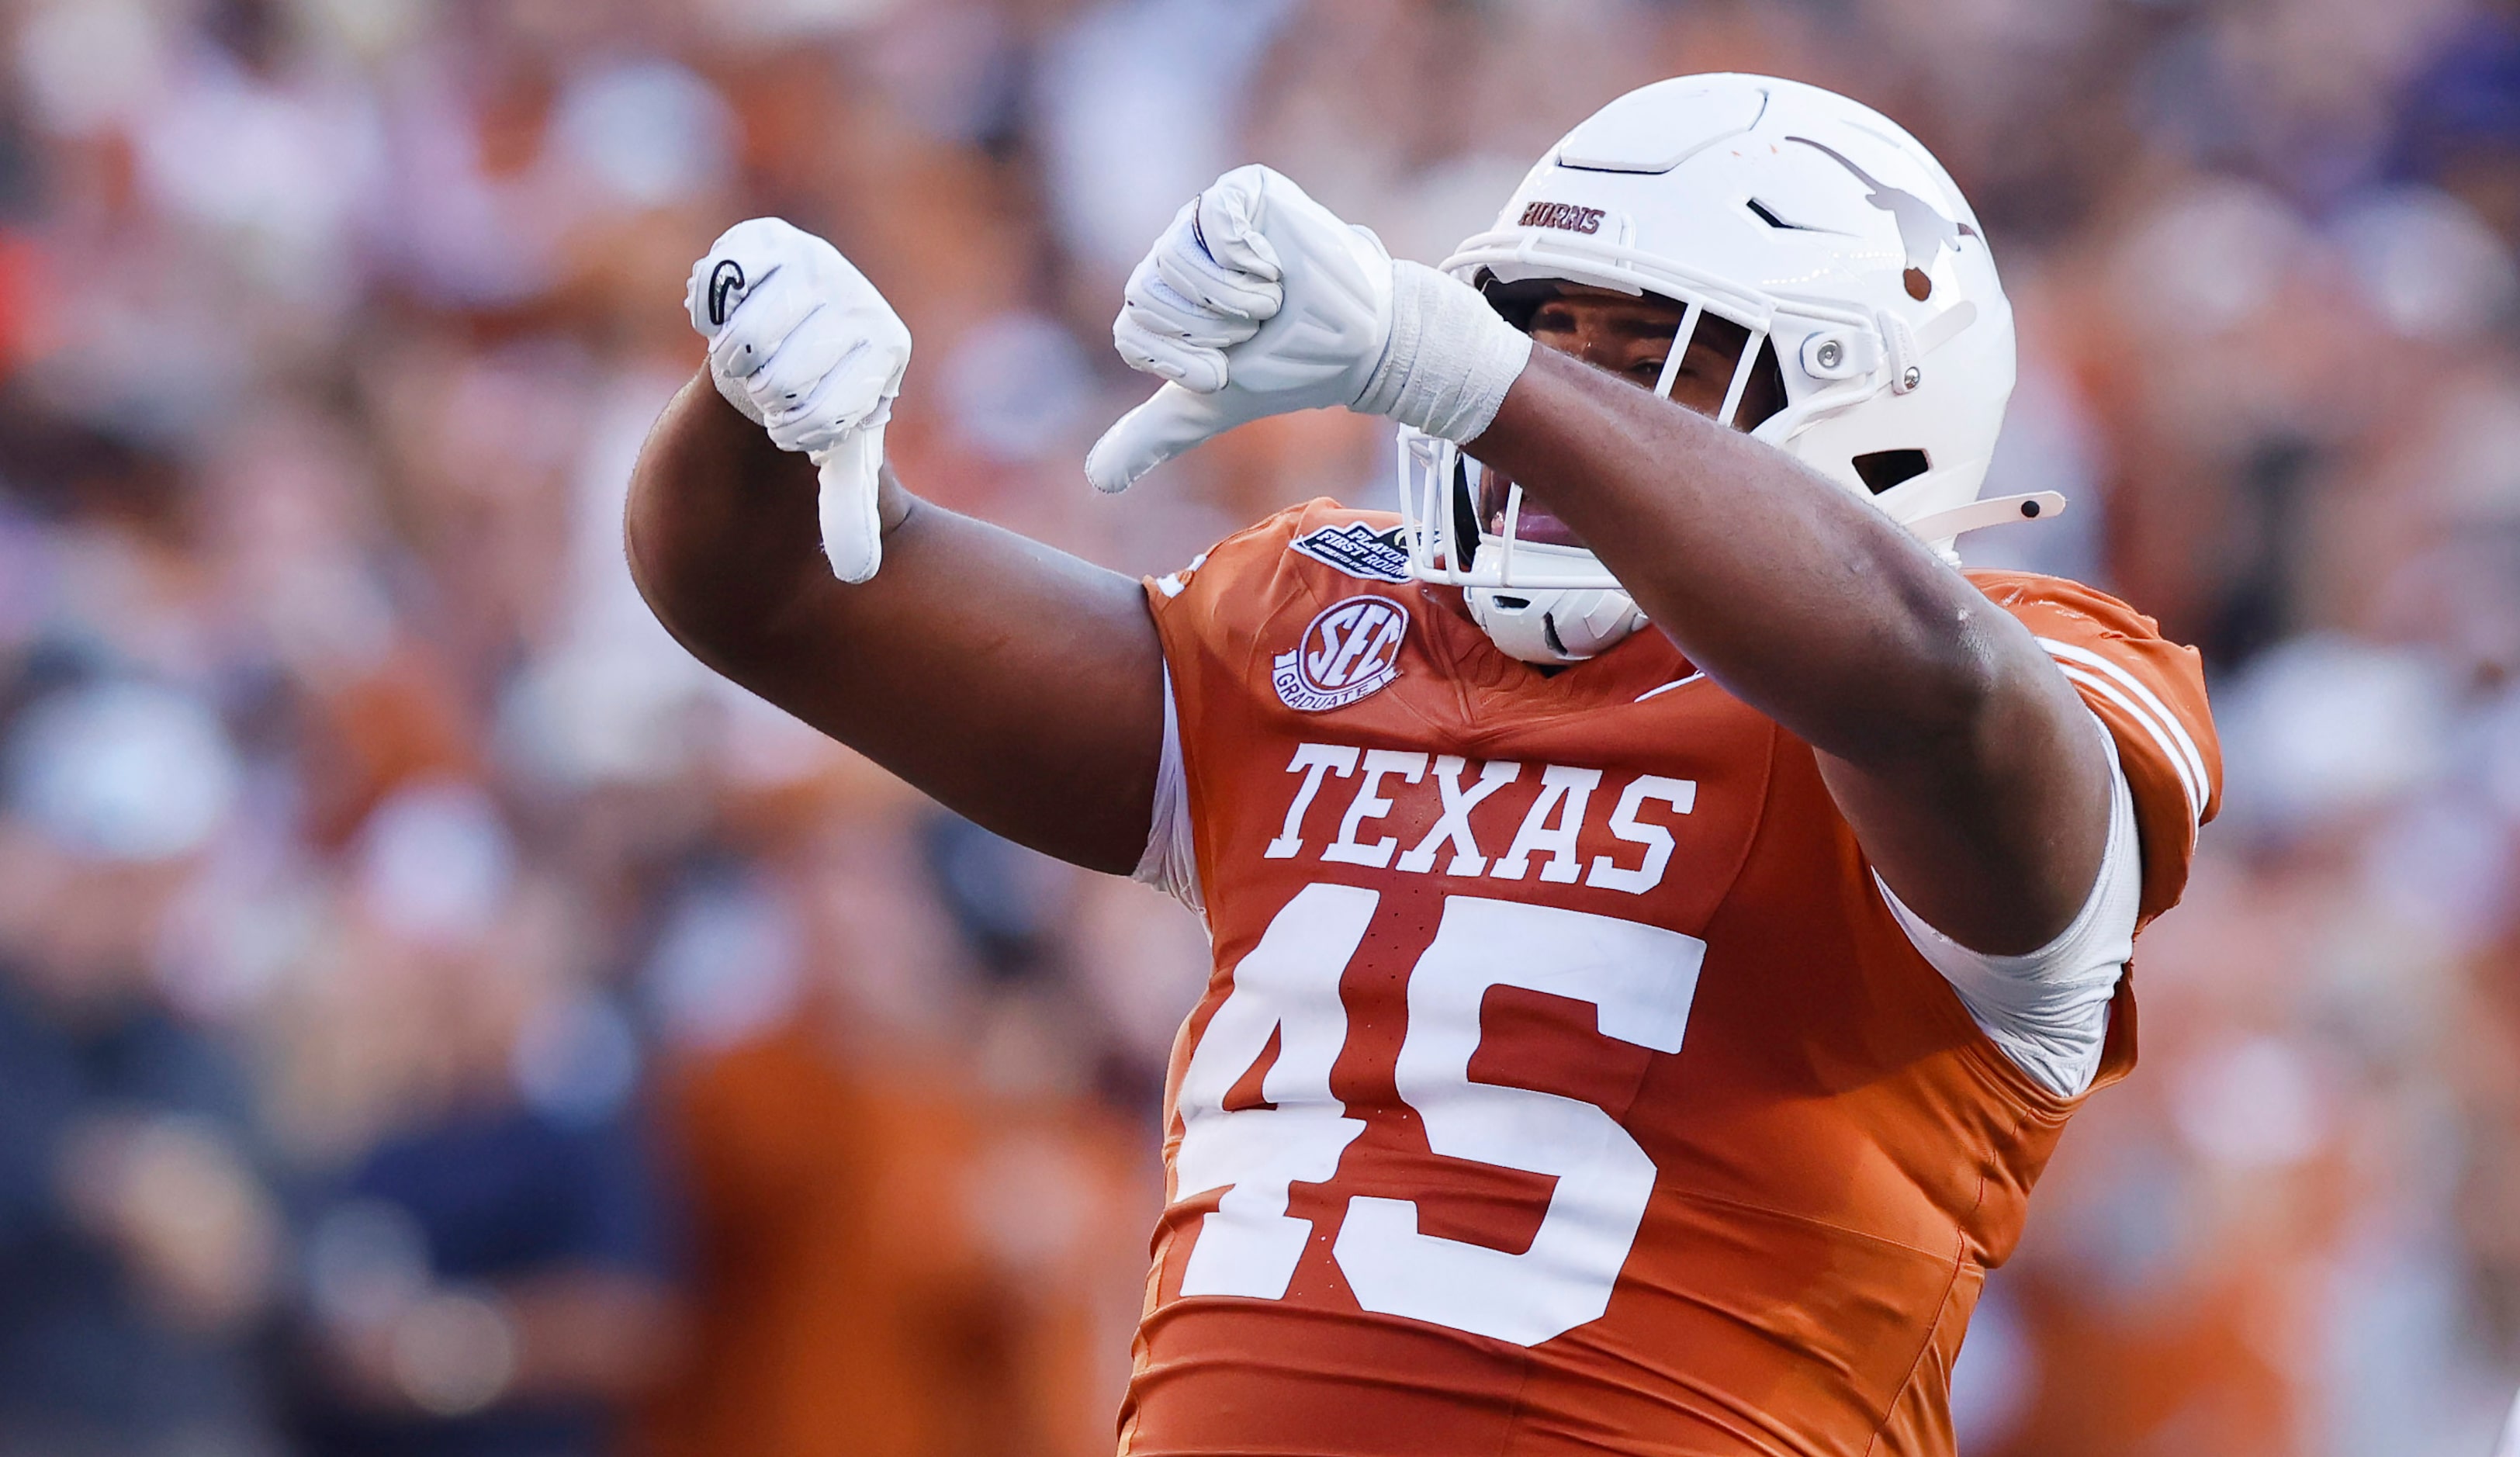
x=805 y=347
x=1259 y=302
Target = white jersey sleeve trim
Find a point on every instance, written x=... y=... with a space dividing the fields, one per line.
x=2049 y=1009
x=2145 y=708
x=1170 y=863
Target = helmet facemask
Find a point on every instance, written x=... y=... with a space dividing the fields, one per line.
x=1551 y=602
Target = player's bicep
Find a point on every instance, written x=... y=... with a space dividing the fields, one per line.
x=2048 y=1010
x=1017 y=685
x=1994 y=833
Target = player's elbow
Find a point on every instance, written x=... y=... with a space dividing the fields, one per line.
x=666 y=577
x=688 y=593
x=1961 y=679
x=654 y=577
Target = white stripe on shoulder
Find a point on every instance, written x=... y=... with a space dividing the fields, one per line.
x=2188 y=786
x=2194 y=760
x=1668 y=687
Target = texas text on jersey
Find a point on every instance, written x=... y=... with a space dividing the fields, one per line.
x=1564 y=1082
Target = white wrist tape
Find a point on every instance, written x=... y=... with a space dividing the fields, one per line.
x=1450 y=358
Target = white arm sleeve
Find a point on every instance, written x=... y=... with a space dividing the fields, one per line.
x=2049 y=1009
x=1170 y=864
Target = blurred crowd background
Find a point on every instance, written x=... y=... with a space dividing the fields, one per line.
x=436 y=1017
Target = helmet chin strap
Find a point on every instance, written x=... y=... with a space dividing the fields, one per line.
x=1993 y=511
x=1555 y=627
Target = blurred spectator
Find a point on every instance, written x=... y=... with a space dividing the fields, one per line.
x=492 y=1273
x=917 y=1228
x=139 y=1235
x=2459 y=126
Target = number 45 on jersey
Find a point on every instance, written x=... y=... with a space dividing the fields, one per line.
x=1638 y=978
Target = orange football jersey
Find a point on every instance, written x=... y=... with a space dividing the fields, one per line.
x=1564 y=1084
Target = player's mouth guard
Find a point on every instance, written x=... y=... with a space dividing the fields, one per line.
x=1440 y=494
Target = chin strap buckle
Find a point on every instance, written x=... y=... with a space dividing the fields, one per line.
x=1907 y=360
x=1993 y=511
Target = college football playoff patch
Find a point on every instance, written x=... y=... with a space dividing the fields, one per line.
x=1358 y=550
x=1351 y=650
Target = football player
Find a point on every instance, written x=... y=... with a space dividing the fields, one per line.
x=1664 y=910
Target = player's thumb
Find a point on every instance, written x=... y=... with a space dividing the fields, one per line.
x=852 y=529
x=1171 y=421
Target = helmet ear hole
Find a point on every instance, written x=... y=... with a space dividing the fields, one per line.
x=1881 y=470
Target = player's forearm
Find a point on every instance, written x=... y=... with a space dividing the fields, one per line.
x=1794 y=595
x=1017 y=684
x=1957 y=751
x=721 y=528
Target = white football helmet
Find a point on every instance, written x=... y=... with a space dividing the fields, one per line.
x=1810 y=221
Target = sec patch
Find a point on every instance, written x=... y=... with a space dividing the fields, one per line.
x=1351 y=650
